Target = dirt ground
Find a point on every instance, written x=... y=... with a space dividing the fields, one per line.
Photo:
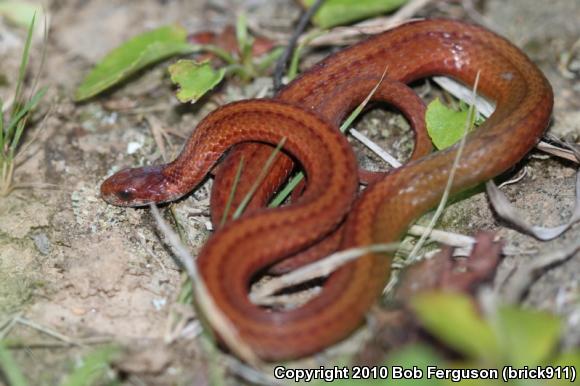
x=90 y=272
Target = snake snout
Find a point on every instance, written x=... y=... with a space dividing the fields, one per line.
x=135 y=187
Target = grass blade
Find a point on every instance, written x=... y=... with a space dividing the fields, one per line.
x=285 y=192
x=240 y=209
x=232 y=192
x=281 y=196
x=23 y=66
x=1 y=129
x=28 y=107
x=10 y=369
x=94 y=366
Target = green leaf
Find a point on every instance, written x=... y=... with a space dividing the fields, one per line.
x=527 y=337
x=565 y=362
x=22 y=68
x=338 y=12
x=2 y=135
x=245 y=40
x=194 y=79
x=132 y=56
x=20 y=12
x=571 y=358
x=93 y=367
x=444 y=125
x=454 y=319
x=9 y=368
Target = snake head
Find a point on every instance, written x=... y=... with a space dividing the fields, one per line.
x=137 y=187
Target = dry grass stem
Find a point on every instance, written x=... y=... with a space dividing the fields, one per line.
x=413 y=256
x=159 y=134
x=448 y=238
x=459 y=91
x=45 y=330
x=288 y=301
x=384 y=155
x=557 y=151
x=521 y=175
x=58 y=344
x=226 y=330
x=318 y=269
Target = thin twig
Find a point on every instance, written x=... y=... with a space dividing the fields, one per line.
x=448 y=238
x=47 y=331
x=382 y=153
x=282 y=63
x=516 y=179
x=18 y=344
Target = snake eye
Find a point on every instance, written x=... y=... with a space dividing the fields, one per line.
x=125 y=195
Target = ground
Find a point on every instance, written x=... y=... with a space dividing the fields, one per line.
x=90 y=272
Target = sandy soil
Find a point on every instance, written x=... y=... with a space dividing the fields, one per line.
x=89 y=271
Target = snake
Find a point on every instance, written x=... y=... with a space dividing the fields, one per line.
x=300 y=114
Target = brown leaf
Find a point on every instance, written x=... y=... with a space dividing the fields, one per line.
x=443 y=272
x=227 y=41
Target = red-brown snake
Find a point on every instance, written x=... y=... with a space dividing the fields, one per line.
x=242 y=248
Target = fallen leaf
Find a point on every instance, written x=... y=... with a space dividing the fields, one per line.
x=443 y=272
x=227 y=41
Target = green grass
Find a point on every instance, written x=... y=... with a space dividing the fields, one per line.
x=13 y=124
x=94 y=368
x=294 y=181
x=9 y=369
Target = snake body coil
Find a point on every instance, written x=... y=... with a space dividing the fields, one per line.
x=305 y=112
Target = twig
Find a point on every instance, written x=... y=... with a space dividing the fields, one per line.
x=7 y=325
x=282 y=63
x=17 y=344
x=449 y=238
x=383 y=154
x=516 y=179
x=46 y=330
